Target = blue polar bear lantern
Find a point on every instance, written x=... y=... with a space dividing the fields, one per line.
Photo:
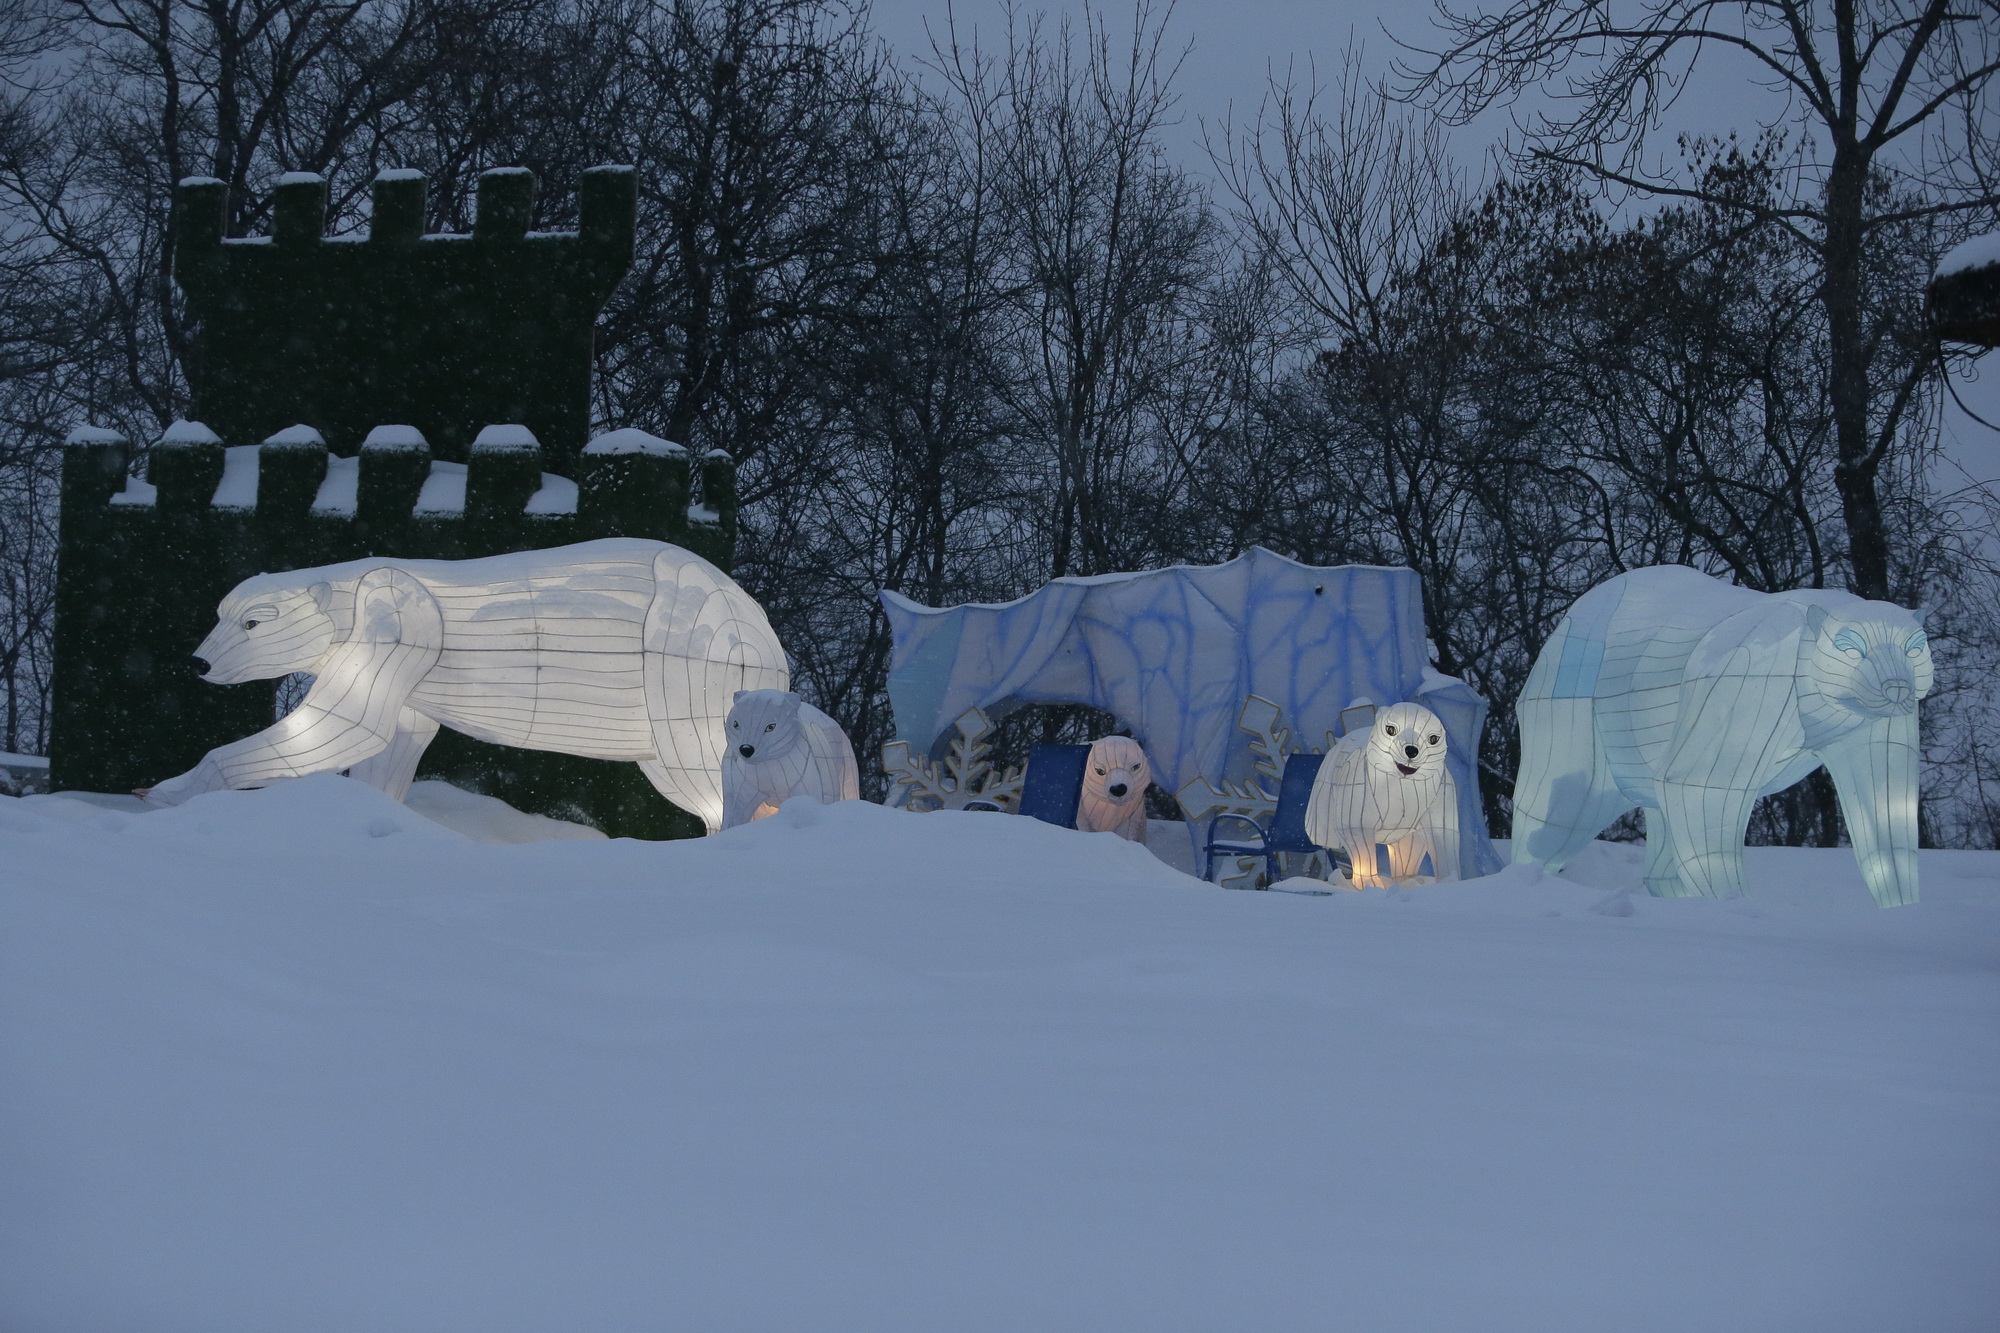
x=1173 y=654
x=1667 y=690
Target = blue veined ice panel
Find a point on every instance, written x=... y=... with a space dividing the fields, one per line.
x=1173 y=653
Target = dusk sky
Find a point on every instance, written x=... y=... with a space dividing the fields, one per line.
x=1233 y=46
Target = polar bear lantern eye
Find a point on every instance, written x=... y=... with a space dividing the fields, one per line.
x=1847 y=641
x=1430 y=740
x=1917 y=645
x=770 y=726
x=1389 y=730
x=257 y=615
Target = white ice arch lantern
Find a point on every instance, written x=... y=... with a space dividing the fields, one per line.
x=1115 y=778
x=1389 y=786
x=621 y=649
x=1672 y=691
x=1173 y=654
x=780 y=746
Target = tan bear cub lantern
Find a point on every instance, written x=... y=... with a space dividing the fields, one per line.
x=1389 y=786
x=780 y=746
x=1114 y=789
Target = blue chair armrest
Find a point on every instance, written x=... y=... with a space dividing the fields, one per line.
x=1262 y=835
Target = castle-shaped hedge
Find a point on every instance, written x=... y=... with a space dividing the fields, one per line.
x=443 y=332
x=398 y=395
x=145 y=560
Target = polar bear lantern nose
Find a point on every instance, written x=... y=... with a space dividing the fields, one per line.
x=746 y=750
x=1117 y=790
x=201 y=666
x=1409 y=752
x=1899 y=691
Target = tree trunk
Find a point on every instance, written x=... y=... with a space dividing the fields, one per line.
x=1855 y=465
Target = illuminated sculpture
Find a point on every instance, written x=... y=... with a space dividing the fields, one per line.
x=1174 y=653
x=619 y=649
x=1115 y=778
x=1670 y=690
x=779 y=747
x=1389 y=785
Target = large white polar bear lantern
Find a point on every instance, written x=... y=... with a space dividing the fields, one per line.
x=1115 y=778
x=1389 y=786
x=1669 y=690
x=780 y=746
x=616 y=649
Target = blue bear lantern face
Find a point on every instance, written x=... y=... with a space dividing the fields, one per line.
x=1877 y=668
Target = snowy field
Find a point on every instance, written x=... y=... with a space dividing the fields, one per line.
x=303 y=1059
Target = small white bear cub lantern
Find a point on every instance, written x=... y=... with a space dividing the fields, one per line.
x=779 y=746
x=1389 y=786
x=1114 y=789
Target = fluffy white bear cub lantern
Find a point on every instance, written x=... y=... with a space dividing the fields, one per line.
x=615 y=649
x=780 y=746
x=1115 y=779
x=1389 y=786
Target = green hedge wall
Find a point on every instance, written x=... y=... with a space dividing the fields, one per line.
x=444 y=335
x=144 y=563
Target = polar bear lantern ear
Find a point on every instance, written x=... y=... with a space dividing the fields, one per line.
x=1815 y=620
x=322 y=595
x=737 y=698
x=393 y=606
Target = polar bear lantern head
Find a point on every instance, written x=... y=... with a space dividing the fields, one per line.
x=764 y=724
x=1118 y=773
x=1877 y=665
x=1113 y=799
x=266 y=628
x=1407 y=744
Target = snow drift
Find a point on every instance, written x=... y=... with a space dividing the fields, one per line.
x=302 y=1059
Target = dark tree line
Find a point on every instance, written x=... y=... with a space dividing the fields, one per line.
x=967 y=323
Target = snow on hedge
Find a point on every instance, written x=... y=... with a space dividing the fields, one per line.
x=1975 y=253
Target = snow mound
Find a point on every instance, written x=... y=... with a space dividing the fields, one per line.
x=394 y=437
x=631 y=440
x=488 y=819
x=302 y=1058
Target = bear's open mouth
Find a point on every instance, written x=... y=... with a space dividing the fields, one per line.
x=1406 y=770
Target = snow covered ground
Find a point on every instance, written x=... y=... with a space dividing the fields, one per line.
x=302 y=1059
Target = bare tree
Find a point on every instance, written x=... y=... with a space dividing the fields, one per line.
x=1109 y=244
x=1885 y=100
x=754 y=124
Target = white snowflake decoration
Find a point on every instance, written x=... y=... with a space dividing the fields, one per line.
x=967 y=774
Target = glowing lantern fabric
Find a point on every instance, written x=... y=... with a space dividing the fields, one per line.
x=1115 y=778
x=1667 y=690
x=780 y=746
x=1389 y=786
x=1173 y=654
x=619 y=649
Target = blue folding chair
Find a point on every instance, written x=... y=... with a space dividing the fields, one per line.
x=1053 y=783
x=1287 y=829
